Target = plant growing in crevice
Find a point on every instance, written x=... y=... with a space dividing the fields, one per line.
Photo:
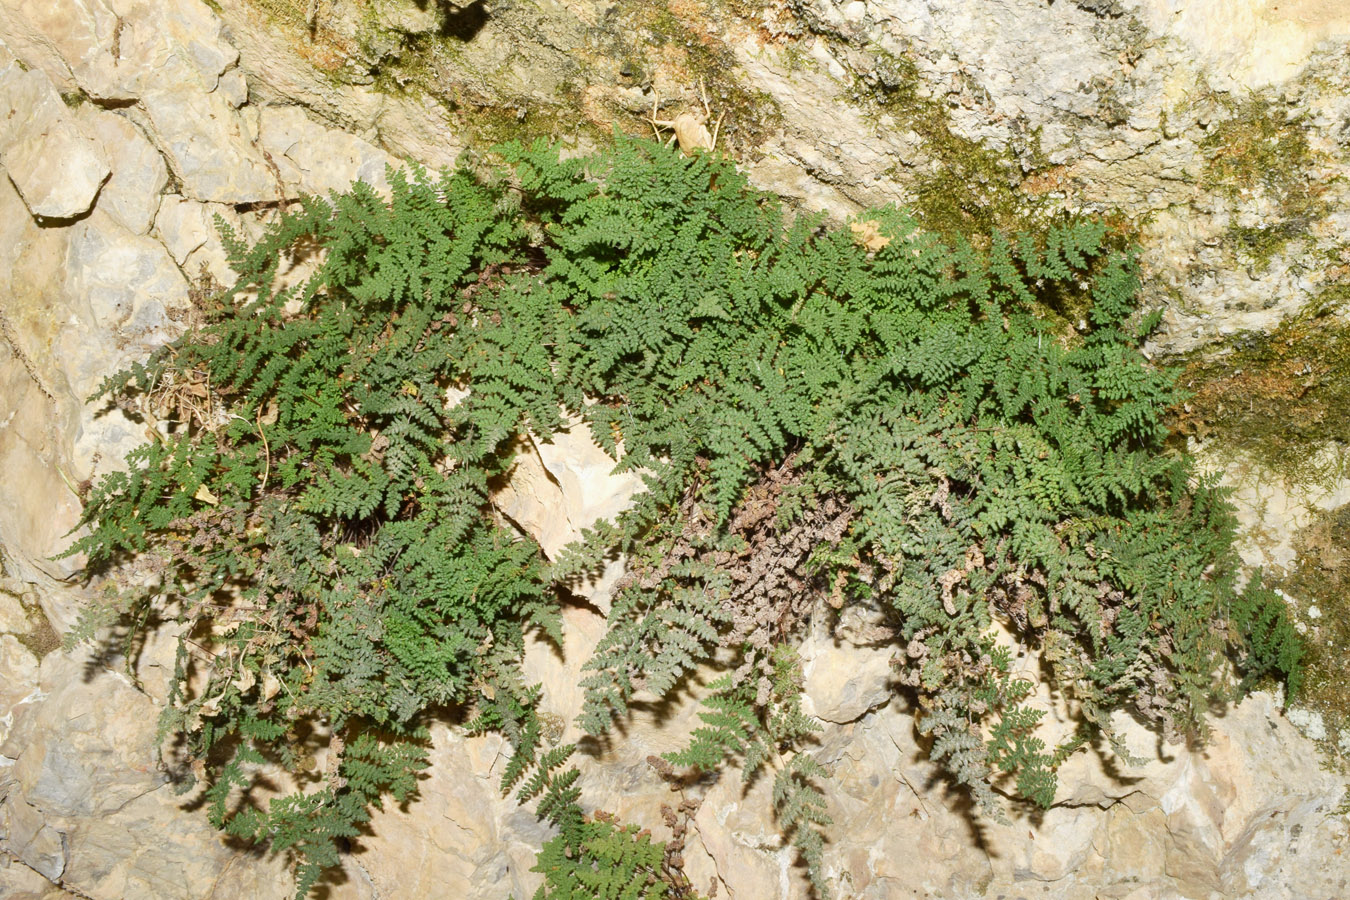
x=821 y=417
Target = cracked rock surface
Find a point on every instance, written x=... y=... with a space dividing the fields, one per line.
x=128 y=126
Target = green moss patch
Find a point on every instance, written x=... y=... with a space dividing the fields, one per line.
x=969 y=189
x=1281 y=399
x=1263 y=150
x=1318 y=588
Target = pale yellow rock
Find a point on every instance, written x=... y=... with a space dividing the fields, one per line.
x=18 y=678
x=132 y=290
x=26 y=837
x=116 y=49
x=843 y=682
x=738 y=831
x=408 y=18
x=183 y=226
x=18 y=882
x=205 y=145
x=234 y=87
x=132 y=194
x=87 y=801
x=560 y=487
x=1252 y=42
x=1136 y=844
x=13 y=618
x=415 y=127
x=70 y=42
x=57 y=168
x=38 y=508
x=313 y=159
x=188 y=229
x=460 y=831
x=1270 y=510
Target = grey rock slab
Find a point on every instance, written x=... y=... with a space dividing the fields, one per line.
x=19 y=882
x=33 y=290
x=156 y=849
x=86 y=782
x=25 y=835
x=89 y=747
x=37 y=509
x=57 y=168
x=36 y=404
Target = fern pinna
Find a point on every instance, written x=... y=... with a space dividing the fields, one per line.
x=822 y=416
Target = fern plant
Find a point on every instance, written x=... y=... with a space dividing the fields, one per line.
x=758 y=722
x=821 y=416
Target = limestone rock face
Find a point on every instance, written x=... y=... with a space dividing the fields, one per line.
x=562 y=486
x=18 y=675
x=206 y=147
x=128 y=126
x=56 y=167
x=131 y=196
x=316 y=160
x=85 y=804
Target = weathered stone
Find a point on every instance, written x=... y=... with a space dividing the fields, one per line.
x=183 y=226
x=38 y=508
x=313 y=159
x=408 y=18
x=57 y=168
x=413 y=126
x=116 y=49
x=70 y=42
x=203 y=140
x=843 y=682
x=18 y=678
x=80 y=754
x=25 y=836
x=1252 y=45
x=131 y=195
x=234 y=87
x=133 y=291
x=13 y=618
x=188 y=229
x=32 y=260
x=460 y=831
x=738 y=832
x=156 y=37
x=560 y=487
x=19 y=882
x=1136 y=844
x=87 y=803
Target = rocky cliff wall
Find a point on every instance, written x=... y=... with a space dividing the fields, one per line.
x=1217 y=137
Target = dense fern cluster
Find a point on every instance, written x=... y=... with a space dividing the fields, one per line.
x=862 y=414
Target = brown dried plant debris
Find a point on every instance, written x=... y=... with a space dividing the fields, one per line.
x=774 y=584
